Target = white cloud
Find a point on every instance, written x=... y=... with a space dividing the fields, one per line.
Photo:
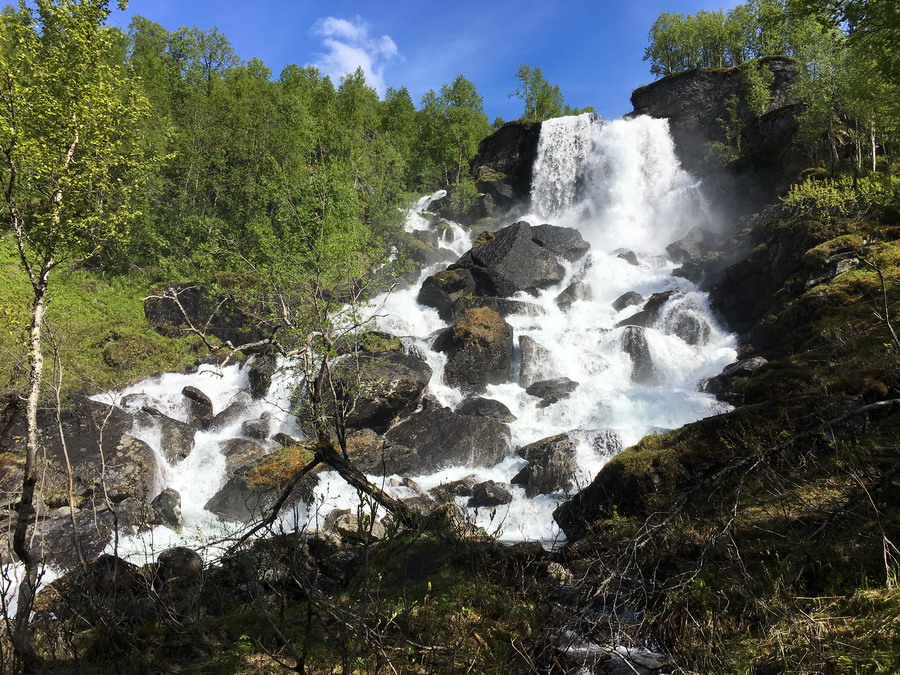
x=350 y=46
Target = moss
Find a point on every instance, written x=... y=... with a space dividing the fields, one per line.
x=481 y=325
x=280 y=467
x=485 y=237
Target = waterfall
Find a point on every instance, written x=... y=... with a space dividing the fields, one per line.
x=620 y=184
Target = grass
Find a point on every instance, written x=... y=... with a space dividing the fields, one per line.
x=97 y=323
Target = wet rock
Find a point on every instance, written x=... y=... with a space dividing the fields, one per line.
x=628 y=299
x=443 y=289
x=696 y=245
x=284 y=440
x=574 y=291
x=565 y=242
x=446 y=492
x=651 y=311
x=479 y=350
x=832 y=269
x=440 y=438
x=551 y=391
x=503 y=165
x=200 y=406
x=628 y=256
x=503 y=306
x=511 y=262
x=176 y=438
x=237 y=499
x=485 y=407
x=179 y=565
x=165 y=509
x=684 y=323
x=233 y=412
x=260 y=374
x=605 y=442
x=258 y=430
x=721 y=384
x=489 y=494
x=693 y=272
x=382 y=387
x=537 y=361
x=551 y=465
x=54 y=536
x=634 y=343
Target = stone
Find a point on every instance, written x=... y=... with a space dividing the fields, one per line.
x=628 y=256
x=503 y=306
x=692 y=247
x=650 y=312
x=507 y=157
x=233 y=412
x=690 y=328
x=179 y=565
x=200 y=407
x=257 y=429
x=551 y=391
x=446 y=492
x=565 y=242
x=537 y=361
x=443 y=289
x=511 y=263
x=628 y=299
x=354 y=527
x=551 y=465
x=634 y=343
x=721 y=384
x=485 y=407
x=176 y=438
x=479 y=350
x=575 y=291
x=165 y=509
x=440 y=438
x=260 y=374
x=489 y=494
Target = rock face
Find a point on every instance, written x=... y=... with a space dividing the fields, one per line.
x=503 y=306
x=551 y=465
x=383 y=387
x=504 y=163
x=511 y=262
x=565 y=242
x=439 y=437
x=237 y=499
x=695 y=101
x=176 y=438
x=479 y=350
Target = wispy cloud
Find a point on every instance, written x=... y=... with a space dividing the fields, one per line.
x=350 y=46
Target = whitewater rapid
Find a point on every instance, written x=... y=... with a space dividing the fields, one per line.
x=620 y=184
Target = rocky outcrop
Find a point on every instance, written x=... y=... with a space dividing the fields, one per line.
x=511 y=262
x=479 y=350
x=504 y=163
x=695 y=101
x=439 y=437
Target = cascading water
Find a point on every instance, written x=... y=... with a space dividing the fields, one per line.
x=620 y=184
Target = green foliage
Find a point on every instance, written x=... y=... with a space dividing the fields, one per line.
x=839 y=197
x=542 y=100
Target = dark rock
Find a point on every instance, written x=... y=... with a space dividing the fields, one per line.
x=54 y=536
x=536 y=361
x=505 y=160
x=628 y=299
x=565 y=242
x=260 y=375
x=381 y=387
x=605 y=442
x=574 y=291
x=284 y=440
x=721 y=384
x=485 y=407
x=503 y=306
x=693 y=272
x=237 y=499
x=441 y=438
x=551 y=465
x=258 y=430
x=628 y=256
x=695 y=101
x=443 y=289
x=551 y=391
x=176 y=438
x=634 y=343
x=651 y=311
x=479 y=350
x=489 y=494
x=511 y=262
x=351 y=527
x=201 y=407
x=165 y=509
x=179 y=565
x=233 y=412
x=685 y=323
x=692 y=247
x=446 y=492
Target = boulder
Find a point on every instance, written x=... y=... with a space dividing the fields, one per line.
x=200 y=407
x=443 y=289
x=565 y=242
x=176 y=438
x=447 y=492
x=54 y=537
x=721 y=384
x=650 y=312
x=382 y=387
x=503 y=306
x=510 y=263
x=237 y=499
x=489 y=494
x=440 y=438
x=233 y=412
x=695 y=246
x=634 y=343
x=691 y=328
x=479 y=350
x=551 y=391
x=577 y=290
x=179 y=565
x=551 y=465
x=504 y=162
x=260 y=374
x=165 y=509
x=604 y=442
x=628 y=299
x=485 y=407
x=537 y=361
x=257 y=429
x=351 y=527
x=628 y=256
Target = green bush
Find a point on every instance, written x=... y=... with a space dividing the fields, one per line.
x=837 y=197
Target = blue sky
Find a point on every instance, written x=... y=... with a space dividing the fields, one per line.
x=592 y=49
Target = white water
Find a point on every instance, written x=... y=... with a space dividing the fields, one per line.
x=621 y=185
